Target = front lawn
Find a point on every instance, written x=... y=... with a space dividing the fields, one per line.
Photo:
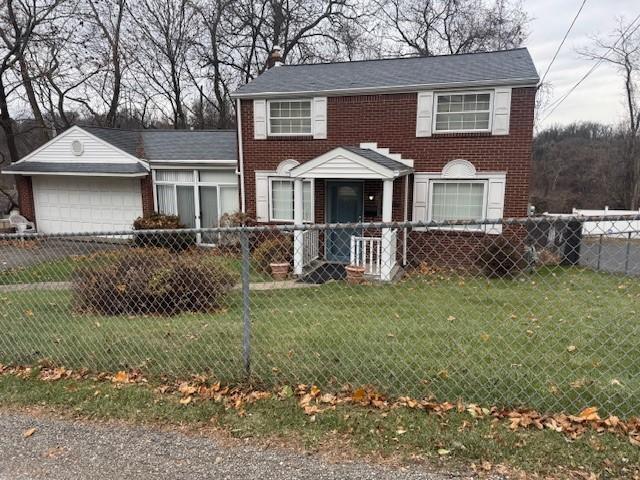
x=557 y=340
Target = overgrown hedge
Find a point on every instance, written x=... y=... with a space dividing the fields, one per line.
x=153 y=281
x=175 y=241
x=501 y=257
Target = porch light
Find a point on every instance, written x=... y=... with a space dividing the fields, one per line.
x=371 y=197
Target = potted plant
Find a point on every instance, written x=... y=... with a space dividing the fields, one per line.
x=355 y=274
x=279 y=270
x=273 y=256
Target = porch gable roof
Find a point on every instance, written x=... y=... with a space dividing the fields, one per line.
x=351 y=162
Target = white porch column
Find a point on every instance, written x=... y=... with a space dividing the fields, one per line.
x=298 y=241
x=388 y=250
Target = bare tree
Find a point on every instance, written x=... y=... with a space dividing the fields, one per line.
x=622 y=50
x=164 y=40
x=107 y=22
x=434 y=27
x=20 y=21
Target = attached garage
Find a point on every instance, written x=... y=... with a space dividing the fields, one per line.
x=86 y=204
x=95 y=179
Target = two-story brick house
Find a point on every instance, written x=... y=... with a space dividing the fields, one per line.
x=431 y=138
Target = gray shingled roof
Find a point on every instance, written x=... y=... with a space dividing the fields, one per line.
x=507 y=67
x=190 y=145
x=76 y=167
x=380 y=159
x=184 y=145
x=126 y=140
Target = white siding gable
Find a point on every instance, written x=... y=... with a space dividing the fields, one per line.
x=94 y=150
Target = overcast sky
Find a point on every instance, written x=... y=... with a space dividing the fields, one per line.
x=600 y=96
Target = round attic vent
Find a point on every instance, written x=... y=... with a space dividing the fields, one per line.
x=77 y=148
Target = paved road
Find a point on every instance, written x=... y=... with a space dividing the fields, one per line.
x=65 y=449
x=14 y=256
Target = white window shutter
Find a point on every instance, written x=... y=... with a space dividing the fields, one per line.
x=420 y=198
x=501 y=111
x=259 y=119
x=319 y=117
x=495 y=203
x=424 y=118
x=262 y=197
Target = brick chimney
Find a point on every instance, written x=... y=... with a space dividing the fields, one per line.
x=275 y=57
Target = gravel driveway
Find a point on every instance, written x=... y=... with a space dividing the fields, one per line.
x=67 y=449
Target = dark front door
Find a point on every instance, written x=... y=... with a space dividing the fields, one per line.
x=344 y=205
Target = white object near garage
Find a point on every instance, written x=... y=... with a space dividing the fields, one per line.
x=86 y=204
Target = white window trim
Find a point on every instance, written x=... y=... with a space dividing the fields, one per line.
x=468 y=130
x=196 y=183
x=485 y=196
x=279 y=100
x=289 y=179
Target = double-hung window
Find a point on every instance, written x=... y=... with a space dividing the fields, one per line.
x=453 y=200
x=290 y=117
x=463 y=112
x=281 y=200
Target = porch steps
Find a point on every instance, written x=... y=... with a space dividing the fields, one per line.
x=322 y=272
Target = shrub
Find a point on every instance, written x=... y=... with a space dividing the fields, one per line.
x=174 y=241
x=277 y=249
x=230 y=241
x=153 y=281
x=500 y=257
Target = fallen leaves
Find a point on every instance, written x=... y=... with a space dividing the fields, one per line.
x=313 y=401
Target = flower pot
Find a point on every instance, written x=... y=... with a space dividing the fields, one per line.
x=279 y=271
x=355 y=274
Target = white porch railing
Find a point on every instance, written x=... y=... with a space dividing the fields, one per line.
x=376 y=254
x=310 y=246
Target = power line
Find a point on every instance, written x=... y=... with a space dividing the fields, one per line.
x=563 y=40
x=559 y=102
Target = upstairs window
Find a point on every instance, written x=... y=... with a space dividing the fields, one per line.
x=289 y=117
x=463 y=112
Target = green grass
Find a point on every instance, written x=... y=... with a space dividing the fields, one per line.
x=59 y=270
x=491 y=342
x=355 y=431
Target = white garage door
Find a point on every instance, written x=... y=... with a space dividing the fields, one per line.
x=86 y=204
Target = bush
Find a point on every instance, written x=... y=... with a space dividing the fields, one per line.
x=278 y=249
x=501 y=257
x=230 y=241
x=153 y=281
x=174 y=241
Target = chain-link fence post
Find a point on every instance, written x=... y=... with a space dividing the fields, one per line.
x=626 y=257
x=246 y=306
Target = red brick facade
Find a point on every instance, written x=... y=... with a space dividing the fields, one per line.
x=25 y=197
x=390 y=121
x=146 y=188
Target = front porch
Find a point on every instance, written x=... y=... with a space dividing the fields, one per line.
x=353 y=185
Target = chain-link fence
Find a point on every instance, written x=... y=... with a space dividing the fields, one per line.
x=516 y=313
